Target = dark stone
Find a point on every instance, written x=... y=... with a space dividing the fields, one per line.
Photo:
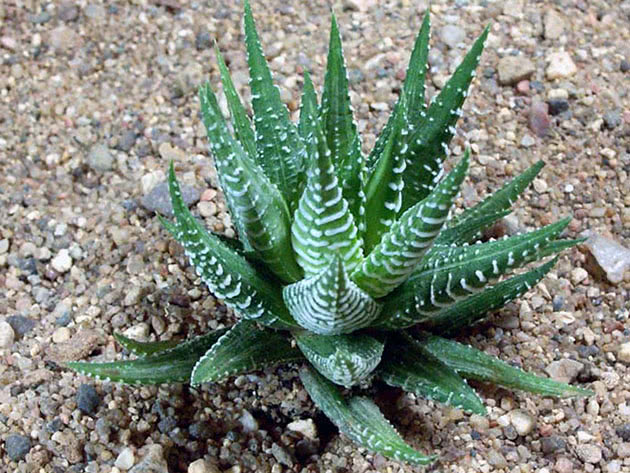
x=612 y=119
x=203 y=40
x=200 y=430
x=624 y=66
x=537 y=86
x=557 y=106
x=17 y=446
x=28 y=265
x=88 y=399
x=475 y=435
x=127 y=140
x=587 y=350
x=167 y=424
x=552 y=444
x=624 y=432
x=489 y=72
x=355 y=76
x=21 y=325
x=54 y=425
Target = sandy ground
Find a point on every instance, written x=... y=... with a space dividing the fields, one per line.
x=95 y=99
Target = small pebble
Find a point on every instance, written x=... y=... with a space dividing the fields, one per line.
x=557 y=106
x=452 y=35
x=623 y=432
x=61 y=335
x=563 y=465
x=560 y=66
x=552 y=444
x=612 y=258
x=513 y=69
x=578 y=275
x=21 y=325
x=17 y=446
x=125 y=459
x=88 y=399
x=564 y=370
x=590 y=453
x=306 y=427
x=158 y=200
x=553 y=24
x=7 y=335
x=522 y=421
x=612 y=119
x=624 y=65
x=202 y=466
x=539 y=121
x=249 y=423
x=62 y=262
x=623 y=353
x=152 y=461
x=100 y=158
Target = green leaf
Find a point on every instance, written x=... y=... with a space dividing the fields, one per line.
x=465 y=231
x=474 y=364
x=475 y=308
x=144 y=348
x=240 y=120
x=384 y=188
x=323 y=225
x=281 y=153
x=226 y=273
x=500 y=201
x=461 y=271
x=340 y=131
x=392 y=261
x=344 y=359
x=243 y=349
x=307 y=126
x=429 y=140
x=255 y=202
x=412 y=94
x=361 y=420
x=173 y=365
x=329 y=303
x=408 y=365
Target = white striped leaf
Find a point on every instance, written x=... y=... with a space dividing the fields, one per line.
x=341 y=134
x=429 y=138
x=307 y=126
x=226 y=273
x=330 y=303
x=280 y=151
x=408 y=365
x=240 y=120
x=475 y=364
x=172 y=365
x=459 y=272
x=244 y=348
x=346 y=360
x=361 y=420
x=385 y=185
x=412 y=94
x=255 y=201
x=464 y=313
x=323 y=225
x=403 y=247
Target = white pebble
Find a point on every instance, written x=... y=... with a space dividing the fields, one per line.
x=623 y=354
x=522 y=421
x=126 y=459
x=62 y=262
x=62 y=334
x=578 y=275
x=7 y=335
x=306 y=427
x=202 y=466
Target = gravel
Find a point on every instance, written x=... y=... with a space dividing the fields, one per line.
x=82 y=79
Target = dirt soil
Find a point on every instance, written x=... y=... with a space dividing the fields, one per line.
x=97 y=98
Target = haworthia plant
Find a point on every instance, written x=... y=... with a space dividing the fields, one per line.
x=348 y=263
